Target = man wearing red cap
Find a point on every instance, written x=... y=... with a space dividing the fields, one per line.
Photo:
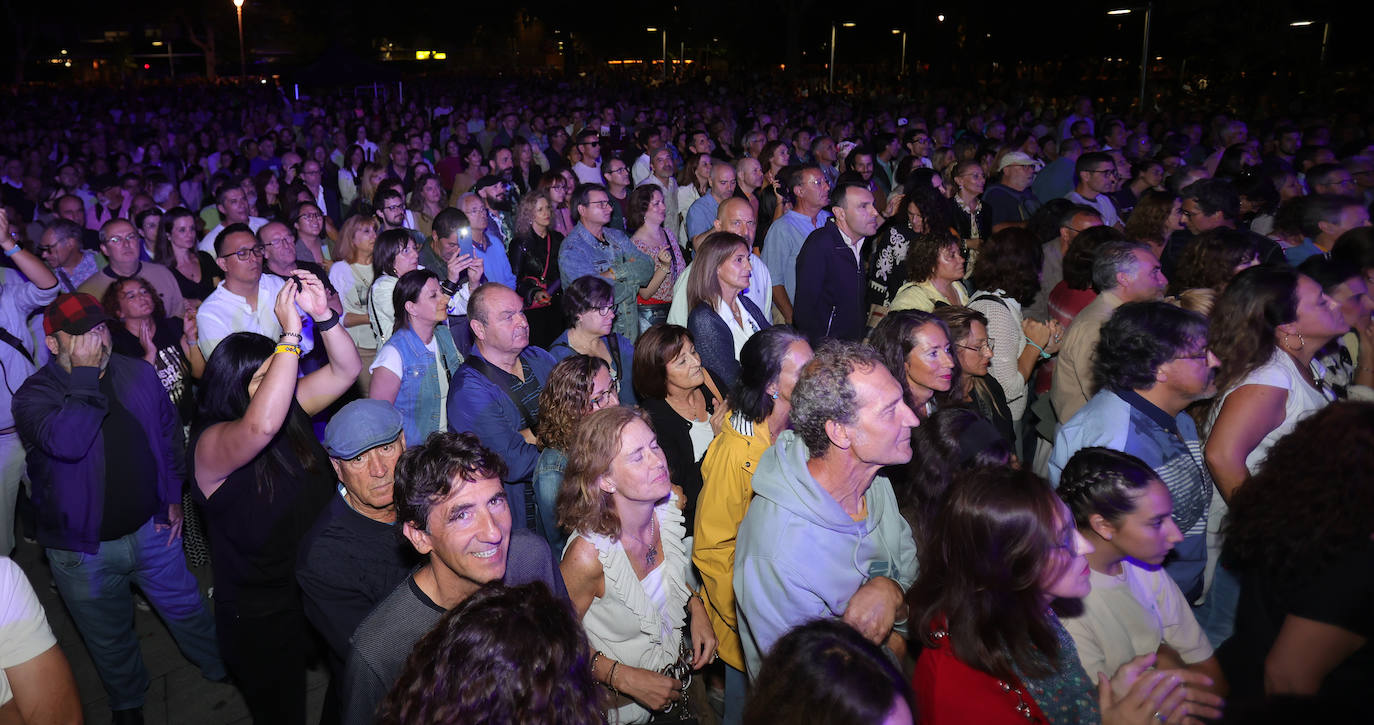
x=107 y=462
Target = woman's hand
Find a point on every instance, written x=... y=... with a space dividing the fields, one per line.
x=1036 y=331
x=665 y=257
x=703 y=636
x=285 y=308
x=649 y=689
x=718 y=417
x=312 y=296
x=894 y=203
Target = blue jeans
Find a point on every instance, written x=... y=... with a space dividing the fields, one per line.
x=1217 y=614
x=736 y=694
x=96 y=590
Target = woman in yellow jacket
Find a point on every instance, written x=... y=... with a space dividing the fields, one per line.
x=760 y=405
x=935 y=268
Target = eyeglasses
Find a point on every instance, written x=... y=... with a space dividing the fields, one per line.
x=618 y=170
x=602 y=202
x=1108 y=172
x=988 y=345
x=312 y=217
x=288 y=240
x=1202 y=354
x=605 y=397
x=603 y=311
x=393 y=207
x=126 y=239
x=246 y=253
x=590 y=143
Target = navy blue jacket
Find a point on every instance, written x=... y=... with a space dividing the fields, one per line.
x=59 y=417
x=713 y=340
x=477 y=406
x=830 y=288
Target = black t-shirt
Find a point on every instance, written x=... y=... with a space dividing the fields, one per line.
x=256 y=525
x=1340 y=594
x=130 y=472
x=208 y=272
x=173 y=369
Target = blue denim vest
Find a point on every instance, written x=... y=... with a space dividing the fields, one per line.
x=419 y=399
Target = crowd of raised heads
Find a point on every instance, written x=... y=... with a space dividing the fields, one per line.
x=524 y=403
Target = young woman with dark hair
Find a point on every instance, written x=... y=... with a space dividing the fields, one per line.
x=627 y=567
x=394 y=255
x=1122 y=508
x=577 y=386
x=262 y=478
x=506 y=654
x=922 y=211
x=415 y=366
x=195 y=271
x=760 y=405
x=826 y=673
x=589 y=306
x=145 y=332
x=1266 y=329
x=1155 y=218
x=994 y=650
x=915 y=348
x=1299 y=534
x=646 y=215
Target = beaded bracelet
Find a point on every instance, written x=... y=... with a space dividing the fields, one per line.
x=296 y=335
x=610 y=681
x=595 y=657
x=284 y=347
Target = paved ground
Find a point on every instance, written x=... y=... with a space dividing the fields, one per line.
x=178 y=694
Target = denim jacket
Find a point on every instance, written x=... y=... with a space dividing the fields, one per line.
x=548 y=476
x=419 y=398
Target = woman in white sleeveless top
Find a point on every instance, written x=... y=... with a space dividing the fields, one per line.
x=626 y=565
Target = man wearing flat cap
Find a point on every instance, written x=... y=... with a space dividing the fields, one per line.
x=107 y=462
x=354 y=555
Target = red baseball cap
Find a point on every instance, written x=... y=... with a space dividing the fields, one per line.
x=73 y=314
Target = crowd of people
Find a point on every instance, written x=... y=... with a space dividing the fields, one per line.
x=551 y=403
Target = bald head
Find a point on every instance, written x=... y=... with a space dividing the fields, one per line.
x=736 y=215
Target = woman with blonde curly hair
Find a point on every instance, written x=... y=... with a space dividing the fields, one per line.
x=626 y=565
x=577 y=386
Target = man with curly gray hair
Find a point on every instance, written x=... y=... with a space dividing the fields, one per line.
x=823 y=536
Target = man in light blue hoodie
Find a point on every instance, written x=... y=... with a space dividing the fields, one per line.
x=823 y=536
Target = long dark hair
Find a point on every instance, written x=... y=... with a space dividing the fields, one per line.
x=224 y=397
x=162 y=246
x=1009 y=260
x=1241 y=334
x=760 y=365
x=892 y=338
x=504 y=655
x=408 y=289
x=988 y=552
x=950 y=440
x=389 y=244
x=825 y=673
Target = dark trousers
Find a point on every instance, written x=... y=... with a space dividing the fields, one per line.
x=266 y=655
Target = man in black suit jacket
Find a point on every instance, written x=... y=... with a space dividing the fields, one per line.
x=830 y=280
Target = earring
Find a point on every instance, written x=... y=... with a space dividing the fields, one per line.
x=775 y=395
x=1301 y=342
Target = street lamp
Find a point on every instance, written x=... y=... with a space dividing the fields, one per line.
x=832 y=52
x=1326 y=33
x=665 y=48
x=1144 y=45
x=243 y=62
x=901 y=63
